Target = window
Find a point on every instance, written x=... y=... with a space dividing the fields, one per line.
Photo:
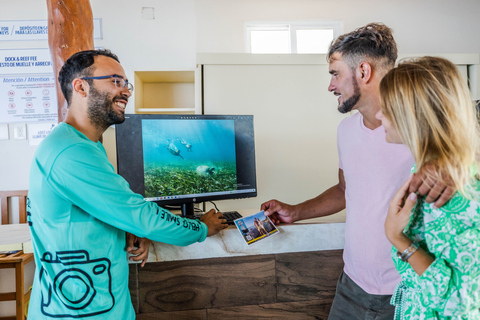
x=293 y=37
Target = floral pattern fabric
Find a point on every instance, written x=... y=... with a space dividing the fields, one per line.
x=450 y=287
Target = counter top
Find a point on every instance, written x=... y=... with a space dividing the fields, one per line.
x=326 y=233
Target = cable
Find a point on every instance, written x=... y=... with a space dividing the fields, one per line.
x=214 y=205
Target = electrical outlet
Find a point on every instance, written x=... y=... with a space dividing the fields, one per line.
x=20 y=131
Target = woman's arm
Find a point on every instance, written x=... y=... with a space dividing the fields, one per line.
x=419 y=260
x=450 y=283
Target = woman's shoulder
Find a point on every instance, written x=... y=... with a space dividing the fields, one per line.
x=459 y=212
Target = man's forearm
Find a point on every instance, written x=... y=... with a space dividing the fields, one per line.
x=329 y=202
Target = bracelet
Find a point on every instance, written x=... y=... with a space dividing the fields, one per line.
x=408 y=252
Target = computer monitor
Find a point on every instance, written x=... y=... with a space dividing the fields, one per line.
x=187 y=159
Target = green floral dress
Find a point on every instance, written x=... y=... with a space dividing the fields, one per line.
x=450 y=287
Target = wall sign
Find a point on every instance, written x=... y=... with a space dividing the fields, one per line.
x=38 y=131
x=25 y=61
x=15 y=30
x=29 y=98
x=27 y=84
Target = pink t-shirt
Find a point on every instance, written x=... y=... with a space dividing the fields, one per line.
x=374 y=170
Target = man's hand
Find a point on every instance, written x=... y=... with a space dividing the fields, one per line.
x=141 y=254
x=214 y=221
x=278 y=211
x=436 y=190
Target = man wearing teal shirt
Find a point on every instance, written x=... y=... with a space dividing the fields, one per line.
x=79 y=209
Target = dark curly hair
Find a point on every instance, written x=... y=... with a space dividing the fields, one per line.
x=373 y=42
x=79 y=65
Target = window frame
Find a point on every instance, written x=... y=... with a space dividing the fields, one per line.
x=292 y=27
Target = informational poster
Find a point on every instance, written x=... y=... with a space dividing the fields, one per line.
x=27 y=85
x=15 y=30
x=28 y=98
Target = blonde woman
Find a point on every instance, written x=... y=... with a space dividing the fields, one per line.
x=426 y=105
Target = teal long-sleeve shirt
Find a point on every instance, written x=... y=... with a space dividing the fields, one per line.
x=79 y=210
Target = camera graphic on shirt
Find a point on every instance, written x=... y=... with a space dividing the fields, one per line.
x=75 y=286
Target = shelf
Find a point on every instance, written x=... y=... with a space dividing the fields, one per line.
x=165 y=92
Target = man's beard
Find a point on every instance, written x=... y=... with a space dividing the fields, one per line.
x=100 y=109
x=348 y=105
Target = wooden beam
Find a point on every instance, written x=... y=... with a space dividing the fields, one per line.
x=70 y=30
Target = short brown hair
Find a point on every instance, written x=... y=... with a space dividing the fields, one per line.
x=373 y=42
x=79 y=65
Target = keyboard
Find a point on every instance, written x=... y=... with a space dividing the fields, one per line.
x=230 y=216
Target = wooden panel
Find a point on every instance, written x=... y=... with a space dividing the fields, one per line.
x=282 y=286
x=133 y=285
x=175 y=315
x=305 y=310
x=207 y=283
x=308 y=275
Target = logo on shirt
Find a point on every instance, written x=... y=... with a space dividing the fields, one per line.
x=75 y=286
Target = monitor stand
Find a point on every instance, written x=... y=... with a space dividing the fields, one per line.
x=188 y=210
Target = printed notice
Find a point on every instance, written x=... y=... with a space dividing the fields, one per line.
x=29 y=98
x=18 y=30
x=25 y=61
x=38 y=131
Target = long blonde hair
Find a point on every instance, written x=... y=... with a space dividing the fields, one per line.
x=430 y=106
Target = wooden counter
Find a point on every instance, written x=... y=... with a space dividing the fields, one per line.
x=290 y=275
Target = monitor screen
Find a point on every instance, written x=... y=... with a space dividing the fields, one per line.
x=187 y=159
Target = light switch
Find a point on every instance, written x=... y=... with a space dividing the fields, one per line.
x=3 y=131
x=19 y=131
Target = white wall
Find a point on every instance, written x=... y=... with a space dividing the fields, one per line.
x=295 y=120
x=420 y=26
x=184 y=27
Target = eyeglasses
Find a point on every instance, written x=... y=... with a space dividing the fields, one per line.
x=120 y=82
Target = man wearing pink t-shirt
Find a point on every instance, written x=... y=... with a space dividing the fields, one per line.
x=370 y=173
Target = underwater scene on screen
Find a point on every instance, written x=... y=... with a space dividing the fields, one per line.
x=188 y=156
